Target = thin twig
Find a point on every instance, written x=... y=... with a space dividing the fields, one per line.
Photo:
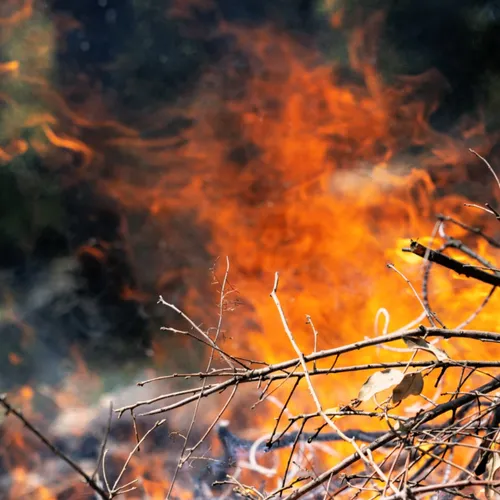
x=315 y=334
x=317 y=403
x=488 y=165
x=474 y=205
x=273 y=433
x=191 y=450
x=88 y=479
x=213 y=343
x=104 y=441
x=427 y=311
x=131 y=454
x=474 y=230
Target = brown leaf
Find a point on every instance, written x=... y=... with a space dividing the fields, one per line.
x=378 y=382
x=412 y=384
x=492 y=467
x=419 y=343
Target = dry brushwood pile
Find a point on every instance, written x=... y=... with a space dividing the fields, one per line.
x=424 y=424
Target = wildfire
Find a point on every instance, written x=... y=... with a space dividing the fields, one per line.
x=285 y=160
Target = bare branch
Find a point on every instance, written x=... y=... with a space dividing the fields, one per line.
x=88 y=479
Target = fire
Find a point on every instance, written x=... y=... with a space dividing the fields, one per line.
x=302 y=173
x=287 y=162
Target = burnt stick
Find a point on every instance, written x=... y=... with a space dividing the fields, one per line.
x=445 y=261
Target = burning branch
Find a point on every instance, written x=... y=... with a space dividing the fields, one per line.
x=417 y=248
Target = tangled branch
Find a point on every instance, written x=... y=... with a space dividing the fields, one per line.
x=407 y=452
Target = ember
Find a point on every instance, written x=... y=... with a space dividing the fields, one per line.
x=307 y=142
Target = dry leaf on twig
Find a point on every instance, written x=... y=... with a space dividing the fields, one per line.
x=378 y=382
x=419 y=343
x=411 y=385
x=492 y=467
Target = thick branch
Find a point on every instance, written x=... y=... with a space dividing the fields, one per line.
x=445 y=261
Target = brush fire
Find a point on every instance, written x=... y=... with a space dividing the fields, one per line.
x=248 y=250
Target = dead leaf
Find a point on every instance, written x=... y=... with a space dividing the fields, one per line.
x=378 y=382
x=492 y=467
x=419 y=343
x=411 y=385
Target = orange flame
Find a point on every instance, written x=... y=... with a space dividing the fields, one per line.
x=289 y=166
